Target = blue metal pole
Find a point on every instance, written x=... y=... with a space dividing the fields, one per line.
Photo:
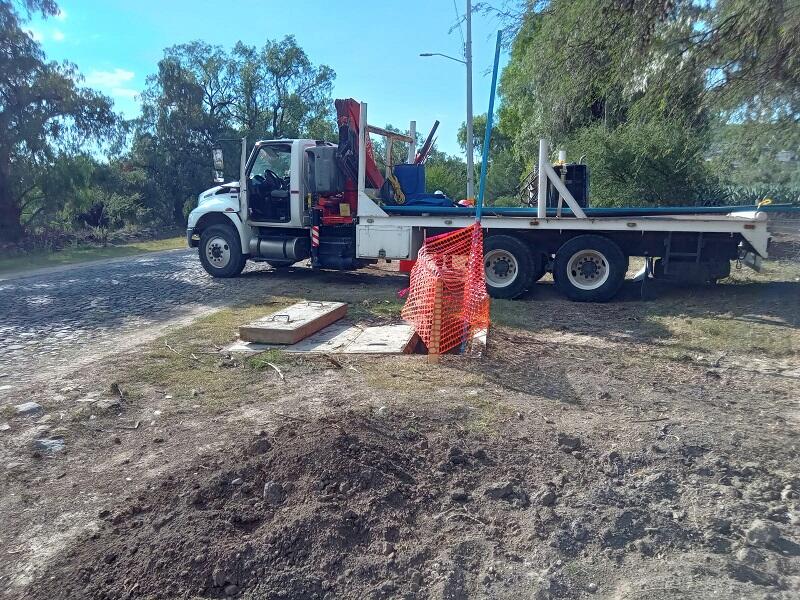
x=487 y=138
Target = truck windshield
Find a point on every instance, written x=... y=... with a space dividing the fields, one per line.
x=275 y=158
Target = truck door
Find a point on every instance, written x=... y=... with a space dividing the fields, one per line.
x=268 y=186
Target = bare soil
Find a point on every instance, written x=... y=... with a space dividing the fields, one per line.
x=626 y=450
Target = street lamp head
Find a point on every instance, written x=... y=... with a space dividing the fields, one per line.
x=426 y=54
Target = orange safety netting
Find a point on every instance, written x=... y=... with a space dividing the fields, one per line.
x=447 y=300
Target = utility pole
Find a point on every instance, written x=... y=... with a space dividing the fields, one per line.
x=468 y=59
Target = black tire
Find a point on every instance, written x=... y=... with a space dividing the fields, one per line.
x=280 y=264
x=216 y=243
x=602 y=268
x=510 y=266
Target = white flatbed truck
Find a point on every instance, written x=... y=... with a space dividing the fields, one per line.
x=272 y=213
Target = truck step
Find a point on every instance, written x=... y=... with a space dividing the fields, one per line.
x=292 y=324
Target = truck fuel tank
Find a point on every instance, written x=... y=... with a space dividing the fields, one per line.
x=281 y=248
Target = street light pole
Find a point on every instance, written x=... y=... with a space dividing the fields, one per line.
x=468 y=58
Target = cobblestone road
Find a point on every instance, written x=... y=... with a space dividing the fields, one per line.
x=53 y=318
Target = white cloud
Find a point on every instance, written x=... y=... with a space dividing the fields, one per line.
x=113 y=82
x=58 y=35
x=36 y=35
x=109 y=79
x=62 y=15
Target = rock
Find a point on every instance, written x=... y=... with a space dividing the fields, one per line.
x=237 y=481
x=274 y=492
x=545 y=497
x=508 y=491
x=231 y=590
x=499 y=490
x=4 y=426
x=644 y=547
x=108 y=404
x=787 y=493
x=52 y=446
x=591 y=588
x=778 y=513
x=568 y=443
x=460 y=495
x=761 y=533
x=194 y=393
x=416 y=578
x=748 y=555
x=720 y=524
x=28 y=409
x=456 y=456
x=260 y=446
x=387 y=548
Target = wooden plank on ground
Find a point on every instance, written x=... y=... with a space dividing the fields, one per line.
x=292 y=324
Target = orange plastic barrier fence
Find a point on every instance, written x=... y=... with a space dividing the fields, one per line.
x=447 y=299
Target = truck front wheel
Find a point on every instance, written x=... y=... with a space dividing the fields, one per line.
x=509 y=266
x=589 y=268
x=221 y=252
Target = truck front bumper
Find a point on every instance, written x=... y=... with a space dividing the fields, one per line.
x=192 y=243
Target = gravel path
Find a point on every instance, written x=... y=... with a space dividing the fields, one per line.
x=60 y=318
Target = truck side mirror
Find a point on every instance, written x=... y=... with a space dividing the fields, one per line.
x=219 y=166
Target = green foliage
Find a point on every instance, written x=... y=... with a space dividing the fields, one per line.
x=656 y=162
x=446 y=173
x=41 y=110
x=645 y=90
x=202 y=94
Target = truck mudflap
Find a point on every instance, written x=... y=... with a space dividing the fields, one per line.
x=753 y=260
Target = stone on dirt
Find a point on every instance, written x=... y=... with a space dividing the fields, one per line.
x=52 y=446
x=28 y=409
x=568 y=443
x=274 y=492
x=509 y=491
x=761 y=533
x=459 y=495
x=545 y=497
x=4 y=426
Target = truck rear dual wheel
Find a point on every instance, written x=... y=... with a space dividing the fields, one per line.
x=510 y=266
x=589 y=268
x=221 y=251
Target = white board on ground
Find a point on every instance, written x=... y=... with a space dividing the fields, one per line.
x=342 y=338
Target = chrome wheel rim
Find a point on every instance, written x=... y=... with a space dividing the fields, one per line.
x=501 y=268
x=588 y=269
x=218 y=252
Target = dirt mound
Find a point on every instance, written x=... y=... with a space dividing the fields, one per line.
x=380 y=505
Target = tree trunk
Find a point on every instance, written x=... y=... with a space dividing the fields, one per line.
x=11 y=229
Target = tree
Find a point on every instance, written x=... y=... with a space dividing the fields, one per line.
x=604 y=72
x=40 y=104
x=201 y=94
x=279 y=92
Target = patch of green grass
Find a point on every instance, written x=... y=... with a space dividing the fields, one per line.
x=68 y=256
x=188 y=358
x=738 y=334
x=381 y=307
x=518 y=314
x=261 y=361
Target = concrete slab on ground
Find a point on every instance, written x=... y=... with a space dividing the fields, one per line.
x=344 y=338
x=294 y=323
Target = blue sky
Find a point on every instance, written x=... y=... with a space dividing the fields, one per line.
x=373 y=45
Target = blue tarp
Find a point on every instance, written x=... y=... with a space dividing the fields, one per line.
x=659 y=211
